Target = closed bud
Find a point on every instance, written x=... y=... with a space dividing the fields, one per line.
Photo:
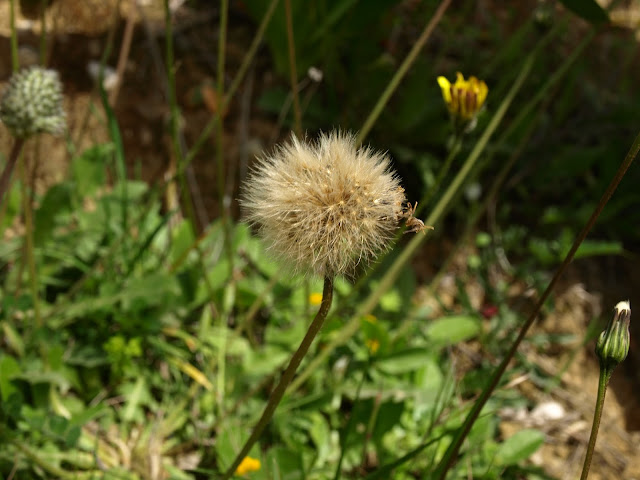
x=612 y=346
x=32 y=103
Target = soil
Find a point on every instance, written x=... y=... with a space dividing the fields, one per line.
x=79 y=33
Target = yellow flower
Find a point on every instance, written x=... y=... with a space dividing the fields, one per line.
x=248 y=465
x=464 y=98
x=315 y=299
x=373 y=345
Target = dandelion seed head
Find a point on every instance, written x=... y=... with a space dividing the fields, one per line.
x=324 y=207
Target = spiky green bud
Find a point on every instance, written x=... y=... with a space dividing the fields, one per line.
x=612 y=346
x=32 y=103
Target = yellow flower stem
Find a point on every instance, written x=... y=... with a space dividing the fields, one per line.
x=426 y=198
x=477 y=213
x=287 y=376
x=401 y=72
x=411 y=248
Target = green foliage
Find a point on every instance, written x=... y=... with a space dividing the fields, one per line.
x=158 y=348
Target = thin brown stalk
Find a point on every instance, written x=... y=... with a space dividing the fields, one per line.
x=11 y=163
x=127 y=36
x=287 y=376
x=452 y=452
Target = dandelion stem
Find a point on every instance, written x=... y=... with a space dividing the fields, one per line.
x=446 y=166
x=411 y=248
x=603 y=381
x=287 y=376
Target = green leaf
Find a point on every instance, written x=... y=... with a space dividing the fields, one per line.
x=151 y=290
x=451 y=330
x=587 y=9
x=405 y=361
x=137 y=396
x=89 y=168
x=54 y=378
x=13 y=338
x=56 y=201
x=9 y=369
x=285 y=464
x=519 y=446
x=590 y=248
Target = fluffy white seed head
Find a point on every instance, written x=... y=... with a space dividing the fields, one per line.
x=324 y=207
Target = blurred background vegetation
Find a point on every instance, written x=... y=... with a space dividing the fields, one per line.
x=147 y=336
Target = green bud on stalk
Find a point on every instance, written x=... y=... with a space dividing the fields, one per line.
x=612 y=346
x=32 y=103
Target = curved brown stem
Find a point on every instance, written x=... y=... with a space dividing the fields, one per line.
x=287 y=376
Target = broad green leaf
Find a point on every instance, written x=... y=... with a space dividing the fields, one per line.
x=285 y=464
x=519 y=446
x=451 y=330
x=13 y=338
x=135 y=397
x=181 y=242
x=405 y=361
x=55 y=378
x=590 y=248
x=89 y=168
x=9 y=369
x=55 y=202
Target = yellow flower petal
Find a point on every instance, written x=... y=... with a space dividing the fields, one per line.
x=248 y=465
x=464 y=98
x=445 y=85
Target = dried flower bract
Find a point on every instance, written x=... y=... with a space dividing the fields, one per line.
x=324 y=207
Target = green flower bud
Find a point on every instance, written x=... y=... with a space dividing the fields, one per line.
x=612 y=346
x=32 y=103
